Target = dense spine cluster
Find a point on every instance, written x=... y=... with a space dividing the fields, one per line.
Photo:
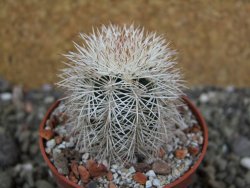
x=122 y=93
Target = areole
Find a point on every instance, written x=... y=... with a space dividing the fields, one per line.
x=182 y=182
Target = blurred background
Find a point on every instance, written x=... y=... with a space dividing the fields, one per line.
x=212 y=38
x=213 y=42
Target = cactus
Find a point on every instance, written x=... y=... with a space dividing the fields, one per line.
x=122 y=93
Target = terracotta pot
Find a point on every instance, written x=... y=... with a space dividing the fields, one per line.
x=185 y=180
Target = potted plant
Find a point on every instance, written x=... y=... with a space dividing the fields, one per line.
x=124 y=120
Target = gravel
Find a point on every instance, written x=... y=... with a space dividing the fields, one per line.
x=8 y=150
x=226 y=111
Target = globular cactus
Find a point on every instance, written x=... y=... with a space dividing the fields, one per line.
x=122 y=93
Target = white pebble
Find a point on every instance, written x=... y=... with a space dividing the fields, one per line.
x=204 y=98
x=27 y=167
x=150 y=173
x=105 y=163
x=49 y=99
x=70 y=143
x=156 y=182
x=194 y=144
x=119 y=172
x=245 y=162
x=6 y=96
x=62 y=145
x=47 y=128
x=148 y=184
x=48 y=150
x=115 y=175
x=200 y=140
x=151 y=178
x=51 y=143
x=114 y=166
x=131 y=170
x=171 y=156
x=85 y=156
x=128 y=180
x=169 y=148
x=117 y=181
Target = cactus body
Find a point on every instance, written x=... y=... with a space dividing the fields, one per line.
x=122 y=93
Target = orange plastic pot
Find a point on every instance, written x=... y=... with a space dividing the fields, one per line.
x=182 y=182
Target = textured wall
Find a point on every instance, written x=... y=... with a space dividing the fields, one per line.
x=212 y=37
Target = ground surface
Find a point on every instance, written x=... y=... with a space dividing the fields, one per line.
x=211 y=38
x=225 y=110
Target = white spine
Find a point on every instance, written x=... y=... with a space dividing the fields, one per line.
x=122 y=93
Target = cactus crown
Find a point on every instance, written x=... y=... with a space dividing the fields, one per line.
x=122 y=93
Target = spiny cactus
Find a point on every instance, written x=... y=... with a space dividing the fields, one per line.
x=122 y=93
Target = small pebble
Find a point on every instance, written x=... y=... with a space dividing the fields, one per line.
x=156 y=182
x=150 y=173
x=204 y=98
x=148 y=184
x=140 y=178
x=181 y=153
x=131 y=170
x=6 y=96
x=85 y=156
x=51 y=143
x=245 y=162
x=161 y=167
x=114 y=166
x=115 y=175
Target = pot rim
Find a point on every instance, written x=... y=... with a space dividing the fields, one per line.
x=178 y=181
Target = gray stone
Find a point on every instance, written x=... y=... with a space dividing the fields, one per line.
x=17 y=96
x=161 y=167
x=210 y=170
x=34 y=149
x=4 y=85
x=229 y=179
x=8 y=150
x=47 y=87
x=24 y=136
x=29 y=178
x=220 y=163
x=247 y=177
x=61 y=163
x=216 y=184
x=241 y=146
x=43 y=184
x=221 y=176
x=5 y=180
x=49 y=99
x=92 y=184
x=240 y=182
